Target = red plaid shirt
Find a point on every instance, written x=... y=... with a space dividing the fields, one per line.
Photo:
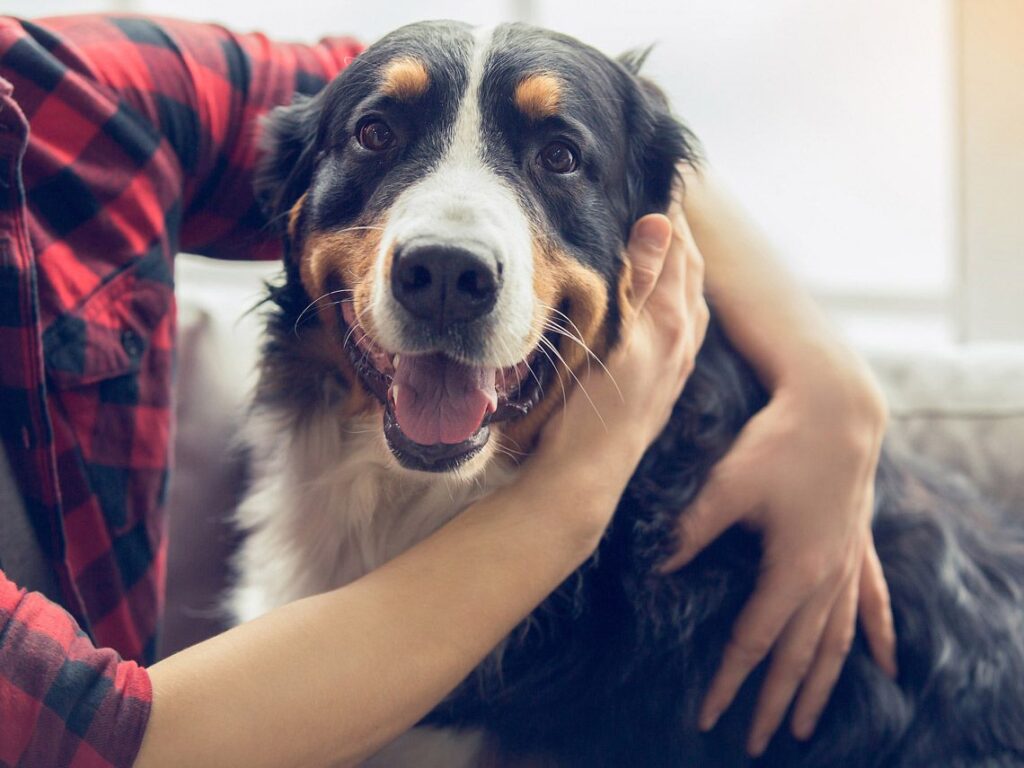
x=122 y=141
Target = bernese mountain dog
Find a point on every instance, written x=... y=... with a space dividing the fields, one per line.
x=454 y=208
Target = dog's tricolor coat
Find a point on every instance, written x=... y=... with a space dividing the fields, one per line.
x=454 y=208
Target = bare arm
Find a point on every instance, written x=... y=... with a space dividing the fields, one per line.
x=332 y=678
x=802 y=471
x=768 y=316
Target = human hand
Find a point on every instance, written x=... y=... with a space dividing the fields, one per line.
x=802 y=472
x=618 y=409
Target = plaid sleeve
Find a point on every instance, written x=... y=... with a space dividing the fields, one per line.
x=204 y=88
x=62 y=700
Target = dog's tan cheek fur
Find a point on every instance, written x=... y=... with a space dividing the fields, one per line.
x=559 y=279
x=350 y=256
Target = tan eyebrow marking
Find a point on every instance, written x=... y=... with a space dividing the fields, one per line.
x=538 y=95
x=405 y=79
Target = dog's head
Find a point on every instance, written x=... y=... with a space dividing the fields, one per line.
x=461 y=199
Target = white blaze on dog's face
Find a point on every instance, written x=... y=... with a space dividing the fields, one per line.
x=458 y=249
x=467 y=194
x=464 y=214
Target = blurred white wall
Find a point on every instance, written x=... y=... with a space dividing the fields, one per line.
x=833 y=123
x=992 y=71
x=304 y=20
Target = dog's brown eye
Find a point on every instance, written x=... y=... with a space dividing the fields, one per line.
x=558 y=157
x=376 y=136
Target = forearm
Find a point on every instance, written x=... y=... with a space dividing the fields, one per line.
x=330 y=679
x=767 y=315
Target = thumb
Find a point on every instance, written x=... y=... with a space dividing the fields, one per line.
x=648 y=244
x=719 y=505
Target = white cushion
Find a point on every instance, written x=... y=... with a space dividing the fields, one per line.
x=963 y=407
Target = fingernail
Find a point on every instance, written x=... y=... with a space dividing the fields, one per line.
x=893 y=671
x=803 y=729
x=757 y=745
x=653 y=234
x=708 y=719
x=673 y=563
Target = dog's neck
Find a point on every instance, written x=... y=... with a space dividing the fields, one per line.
x=354 y=507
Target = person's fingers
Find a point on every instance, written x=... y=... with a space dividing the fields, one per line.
x=777 y=597
x=647 y=249
x=792 y=656
x=875 y=611
x=724 y=499
x=682 y=263
x=828 y=660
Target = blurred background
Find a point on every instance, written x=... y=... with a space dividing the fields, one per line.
x=880 y=143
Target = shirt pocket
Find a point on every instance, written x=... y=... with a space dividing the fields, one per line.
x=110 y=332
x=109 y=367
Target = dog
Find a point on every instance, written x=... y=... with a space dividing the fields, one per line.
x=454 y=208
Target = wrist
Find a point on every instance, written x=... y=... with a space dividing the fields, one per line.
x=831 y=384
x=576 y=495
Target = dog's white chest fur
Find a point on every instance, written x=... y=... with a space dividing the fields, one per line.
x=329 y=504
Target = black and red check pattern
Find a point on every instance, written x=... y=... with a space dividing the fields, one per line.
x=64 y=702
x=122 y=141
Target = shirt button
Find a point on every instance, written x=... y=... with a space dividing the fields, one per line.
x=132 y=343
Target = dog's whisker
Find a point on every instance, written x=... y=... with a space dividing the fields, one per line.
x=529 y=368
x=590 y=355
x=579 y=383
x=348 y=336
x=501 y=445
x=367 y=431
x=519 y=378
x=544 y=343
x=313 y=303
x=562 y=314
x=515 y=369
x=355 y=229
x=578 y=337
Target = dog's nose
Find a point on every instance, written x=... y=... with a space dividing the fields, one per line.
x=444 y=284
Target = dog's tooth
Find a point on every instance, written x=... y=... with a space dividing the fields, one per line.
x=394 y=360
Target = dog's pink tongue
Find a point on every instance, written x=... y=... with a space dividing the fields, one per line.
x=438 y=400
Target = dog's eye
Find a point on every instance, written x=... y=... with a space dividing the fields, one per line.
x=559 y=157
x=376 y=136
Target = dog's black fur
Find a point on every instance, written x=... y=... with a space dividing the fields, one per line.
x=611 y=669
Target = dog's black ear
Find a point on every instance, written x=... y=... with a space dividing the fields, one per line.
x=633 y=60
x=659 y=143
x=288 y=145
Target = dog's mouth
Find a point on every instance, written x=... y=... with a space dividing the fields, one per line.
x=438 y=410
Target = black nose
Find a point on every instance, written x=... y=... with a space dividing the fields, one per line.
x=444 y=284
